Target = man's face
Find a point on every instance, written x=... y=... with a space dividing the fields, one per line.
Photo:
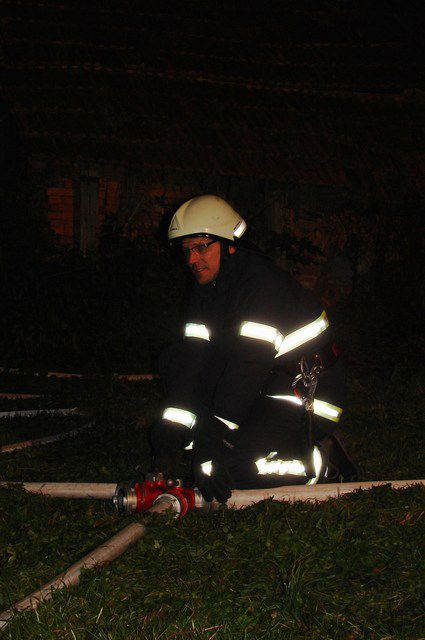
x=204 y=262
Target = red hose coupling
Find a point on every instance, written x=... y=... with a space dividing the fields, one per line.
x=138 y=497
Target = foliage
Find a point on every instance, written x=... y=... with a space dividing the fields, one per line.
x=116 y=309
x=111 y=311
x=26 y=237
x=295 y=250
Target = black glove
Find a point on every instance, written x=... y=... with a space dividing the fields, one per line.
x=168 y=440
x=218 y=485
x=212 y=442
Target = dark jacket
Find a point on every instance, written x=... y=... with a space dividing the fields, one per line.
x=223 y=373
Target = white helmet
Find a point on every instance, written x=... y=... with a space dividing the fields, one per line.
x=206 y=216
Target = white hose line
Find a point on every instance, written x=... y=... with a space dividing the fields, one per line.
x=8 y=448
x=135 y=377
x=94 y=490
x=239 y=498
x=319 y=492
x=29 y=413
x=19 y=396
x=106 y=552
x=132 y=377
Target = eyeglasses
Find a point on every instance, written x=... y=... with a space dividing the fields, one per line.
x=198 y=249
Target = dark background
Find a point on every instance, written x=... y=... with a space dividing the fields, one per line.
x=308 y=117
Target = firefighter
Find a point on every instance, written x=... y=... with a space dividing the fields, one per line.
x=254 y=346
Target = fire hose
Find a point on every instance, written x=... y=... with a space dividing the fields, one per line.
x=134 y=497
x=137 y=497
x=106 y=552
x=155 y=495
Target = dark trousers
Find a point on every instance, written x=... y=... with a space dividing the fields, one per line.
x=272 y=426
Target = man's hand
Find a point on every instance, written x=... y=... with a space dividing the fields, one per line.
x=168 y=440
x=212 y=446
x=218 y=485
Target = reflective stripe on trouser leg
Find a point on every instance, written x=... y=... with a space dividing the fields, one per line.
x=272 y=465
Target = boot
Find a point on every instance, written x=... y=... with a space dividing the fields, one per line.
x=341 y=467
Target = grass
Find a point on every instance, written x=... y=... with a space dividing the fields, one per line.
x=17 y=429
x=344 y=569
x=347 y=568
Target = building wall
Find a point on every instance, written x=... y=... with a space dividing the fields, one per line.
x=138 y=201
x=343 y=238
x=61 y=210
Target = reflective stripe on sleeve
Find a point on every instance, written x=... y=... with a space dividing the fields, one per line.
x=327 y=410
x=281 y=343
x=320 y=407
x=193 y=330
x=293 y=399
x=228 y=423
x=207 y=467
x=304 y=334
x=179 y=415
x=261 y=332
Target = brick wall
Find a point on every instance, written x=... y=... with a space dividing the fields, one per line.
x=61 y=211
x=62 y=206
